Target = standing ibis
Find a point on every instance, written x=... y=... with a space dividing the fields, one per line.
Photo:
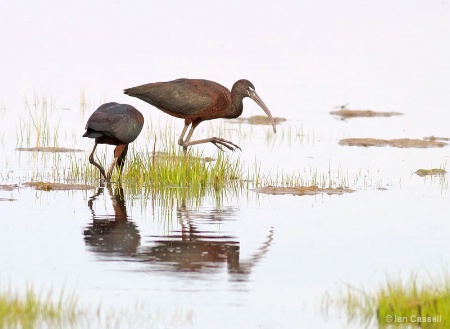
x=114 y=124
x=196 y=100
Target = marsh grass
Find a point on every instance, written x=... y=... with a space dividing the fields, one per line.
x=173 y=169
x=334 y=177
x=34 y=129
x=142 y=315
x=83 y=103
x=396 y=303
x=160 y=163
x=434 y=175
x=307 y=177
x=37 y=310
x=163 y=178
x=45 y=310
x=148 y=171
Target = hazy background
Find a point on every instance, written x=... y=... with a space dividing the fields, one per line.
x=301 y=55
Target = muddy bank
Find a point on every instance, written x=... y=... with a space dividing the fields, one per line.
x=434 y=138
x=162 y=155
x=259 y=120
x=402 y=143
x=8 y=187
x=302 y=190
x=45 y=186
x=7 y=199
x=430 y=172
x=346 y=113
x=47 y=149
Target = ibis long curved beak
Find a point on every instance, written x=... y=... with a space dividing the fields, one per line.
x=253 y=95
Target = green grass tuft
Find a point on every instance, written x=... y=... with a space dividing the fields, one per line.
x=33 y=310
x=397 y=303
x=173 y=169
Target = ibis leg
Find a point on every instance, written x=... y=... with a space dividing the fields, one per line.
x=92 y=161
x=218 y=142
x=119 y=159
x=181 y=141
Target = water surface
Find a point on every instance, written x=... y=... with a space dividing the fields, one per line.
x=237 y=259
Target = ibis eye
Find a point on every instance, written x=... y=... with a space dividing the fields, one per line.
x=250 y=91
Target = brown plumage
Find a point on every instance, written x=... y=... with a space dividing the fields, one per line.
x=196 y=100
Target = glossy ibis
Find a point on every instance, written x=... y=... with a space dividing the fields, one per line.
x=114 y=124
x=197 y=100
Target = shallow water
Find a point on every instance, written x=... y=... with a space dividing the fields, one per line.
x=238 y=259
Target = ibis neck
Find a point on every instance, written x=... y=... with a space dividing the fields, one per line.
x=236 y=106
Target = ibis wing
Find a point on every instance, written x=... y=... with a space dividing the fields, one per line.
x=178 y=97
x=116 y=121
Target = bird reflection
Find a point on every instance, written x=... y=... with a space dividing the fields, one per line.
x=199 y=246
x=112 y=233
x=192 y=249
